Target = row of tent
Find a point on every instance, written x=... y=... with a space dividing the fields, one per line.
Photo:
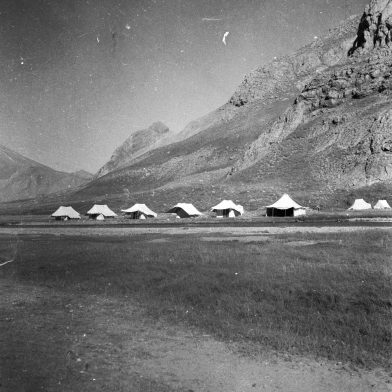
x=285 y=206
x=360 y=204
x=140 y=211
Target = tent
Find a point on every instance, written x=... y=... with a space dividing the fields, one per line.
x=285 y=206
x=100 y=209
x=65 y=213
x=100 y=217
x=185 y=210
x=227 y=209
x=360 y=204
x=382 y=205
x=140 y=211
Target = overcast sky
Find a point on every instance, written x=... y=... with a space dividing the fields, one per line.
x=79 y=76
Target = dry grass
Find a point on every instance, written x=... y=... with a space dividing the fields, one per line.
x=329 y=295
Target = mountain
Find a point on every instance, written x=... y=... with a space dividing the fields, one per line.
x=315 y=124
x=22 y=178
x=136 y=145
x=337 y=134
x=83 y=174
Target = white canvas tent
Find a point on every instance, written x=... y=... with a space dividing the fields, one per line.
x=360 y=204
x=285 y=206
x=185 y=210
x=100 y=217
x=382 y=205
x=140 y=211
x=100 y=209
x=65 y=213
x=227 y=209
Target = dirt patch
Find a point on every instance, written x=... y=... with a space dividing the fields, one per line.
x=204 y=364
x=159 y=240
x=187 y=360
x=168 y=231
x=310 y=242
x=120 y=348
x=246 y=239
x=377 y=219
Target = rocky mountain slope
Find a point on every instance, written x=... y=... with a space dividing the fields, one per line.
x=315 y=124
x=136 y=145
x=209 y=148
x=337 y=134
x=22 y=178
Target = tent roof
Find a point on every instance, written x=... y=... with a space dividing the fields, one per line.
x=360 y=204
x=190 y=209
x=228 y=205
x=284 y=203
x=66 y=211
x=140 y=208
x=382 y=204
x=101 y=209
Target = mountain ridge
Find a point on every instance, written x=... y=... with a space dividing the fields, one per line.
x=23 y=178
x=209 y=148
x=135 y=145
x=362 y=80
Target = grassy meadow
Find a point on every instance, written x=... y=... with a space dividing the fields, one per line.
x=323 y=295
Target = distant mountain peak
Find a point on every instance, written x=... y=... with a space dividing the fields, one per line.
x=159 y=126
x=24 y=178
x=83 y=174
x=136 y=145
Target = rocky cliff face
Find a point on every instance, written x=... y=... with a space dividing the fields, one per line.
x=375 y=27
x=337 y=132
x=293 y=72
x=137 y=144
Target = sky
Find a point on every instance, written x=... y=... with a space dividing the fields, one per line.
x=77 y=77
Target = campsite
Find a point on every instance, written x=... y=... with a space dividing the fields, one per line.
x=195 y=196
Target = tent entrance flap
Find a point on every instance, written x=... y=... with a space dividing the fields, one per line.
x=137 y=215
x=278 y=212
x=223 y=213
x=181 y=213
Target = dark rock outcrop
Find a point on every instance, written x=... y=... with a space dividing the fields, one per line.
x=375 y=28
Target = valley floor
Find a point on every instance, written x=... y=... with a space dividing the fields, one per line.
x=196 y=309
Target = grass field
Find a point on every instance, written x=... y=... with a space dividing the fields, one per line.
x=319 y=295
